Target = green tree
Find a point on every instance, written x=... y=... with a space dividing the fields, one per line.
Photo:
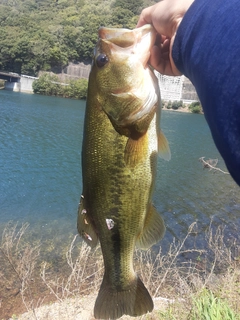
x=76 y=89
x=44 y=34
x=177 y=104
x=195 y=107
x=47 y=85
x=121 y=18
x=133 y=6
x=57 y=57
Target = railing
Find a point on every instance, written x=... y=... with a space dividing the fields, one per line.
x=29 y=77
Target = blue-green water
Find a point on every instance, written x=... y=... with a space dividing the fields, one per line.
x=40 y=171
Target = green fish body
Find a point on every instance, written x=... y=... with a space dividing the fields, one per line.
x=121 y=143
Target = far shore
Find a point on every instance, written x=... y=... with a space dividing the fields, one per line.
x=181 y=109
x=186 y=110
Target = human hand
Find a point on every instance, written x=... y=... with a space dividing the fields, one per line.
x=165 y=16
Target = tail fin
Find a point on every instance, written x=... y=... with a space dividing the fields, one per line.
x=112 y=304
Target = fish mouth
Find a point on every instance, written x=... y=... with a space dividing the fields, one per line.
x=138 y=93
x=138 y=41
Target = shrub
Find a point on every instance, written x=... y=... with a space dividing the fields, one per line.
x=49 y=85
x=195 y=107
x=169 y=105
x=177 y=104
x=76 y=89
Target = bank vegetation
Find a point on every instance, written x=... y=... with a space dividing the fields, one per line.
x=185 y=283
x=48 y=34
x=194 y=107
x=50 y=85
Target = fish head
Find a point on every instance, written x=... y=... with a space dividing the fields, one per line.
x=126 y=87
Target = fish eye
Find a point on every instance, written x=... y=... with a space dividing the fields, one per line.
x=101 y=60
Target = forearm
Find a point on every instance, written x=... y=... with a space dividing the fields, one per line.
x=207 y=50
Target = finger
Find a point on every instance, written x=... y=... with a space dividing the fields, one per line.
x=165 y=45
x=141 y=22
x=158 y=16
x=156 y=59
x=161 y=62
x=145 y=17
x=163 y=38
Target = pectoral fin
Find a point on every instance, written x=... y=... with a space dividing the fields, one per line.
x=163 y=147
x=153 y=229
x=135 y=150
x=84 y=225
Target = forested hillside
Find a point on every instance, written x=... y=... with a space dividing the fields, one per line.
x=47 y=34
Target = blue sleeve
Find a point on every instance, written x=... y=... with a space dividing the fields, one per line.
x=207 y=50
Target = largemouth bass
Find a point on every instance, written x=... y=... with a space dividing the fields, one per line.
x=121 y=142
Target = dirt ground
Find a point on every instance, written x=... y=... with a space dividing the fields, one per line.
x=78 y=309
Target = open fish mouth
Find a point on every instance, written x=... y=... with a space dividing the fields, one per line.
x=138 y=41
x=131 y=89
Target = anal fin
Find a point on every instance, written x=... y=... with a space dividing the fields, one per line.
x=84 y=225
x=153 y=230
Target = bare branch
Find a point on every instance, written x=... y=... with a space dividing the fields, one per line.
x=211 y=164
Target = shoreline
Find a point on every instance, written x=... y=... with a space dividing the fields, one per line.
x=184 y=110
x=66 y=300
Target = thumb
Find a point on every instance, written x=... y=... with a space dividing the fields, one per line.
x=165 y=16
x=160 y=16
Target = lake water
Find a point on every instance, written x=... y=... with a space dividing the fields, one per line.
x=40 y=172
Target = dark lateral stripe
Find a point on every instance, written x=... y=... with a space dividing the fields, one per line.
x=116 y=241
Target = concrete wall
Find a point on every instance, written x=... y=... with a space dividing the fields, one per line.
x=188 y=91
x=172 y=88
x=177 y=88
x=75 y=71
x=25 y=84
x=12 y=86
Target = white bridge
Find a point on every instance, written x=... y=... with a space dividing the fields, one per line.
x=22 y=83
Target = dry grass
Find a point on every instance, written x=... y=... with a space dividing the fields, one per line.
x=19 y=262
x=216 y=269
x=173 y=282
x=84 y=275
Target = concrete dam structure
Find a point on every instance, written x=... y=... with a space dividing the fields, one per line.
x=172 y=88
x=16 y=82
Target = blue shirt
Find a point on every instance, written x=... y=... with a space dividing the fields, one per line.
x=207 y=50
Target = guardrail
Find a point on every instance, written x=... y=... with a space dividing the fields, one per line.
x=29 y=77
